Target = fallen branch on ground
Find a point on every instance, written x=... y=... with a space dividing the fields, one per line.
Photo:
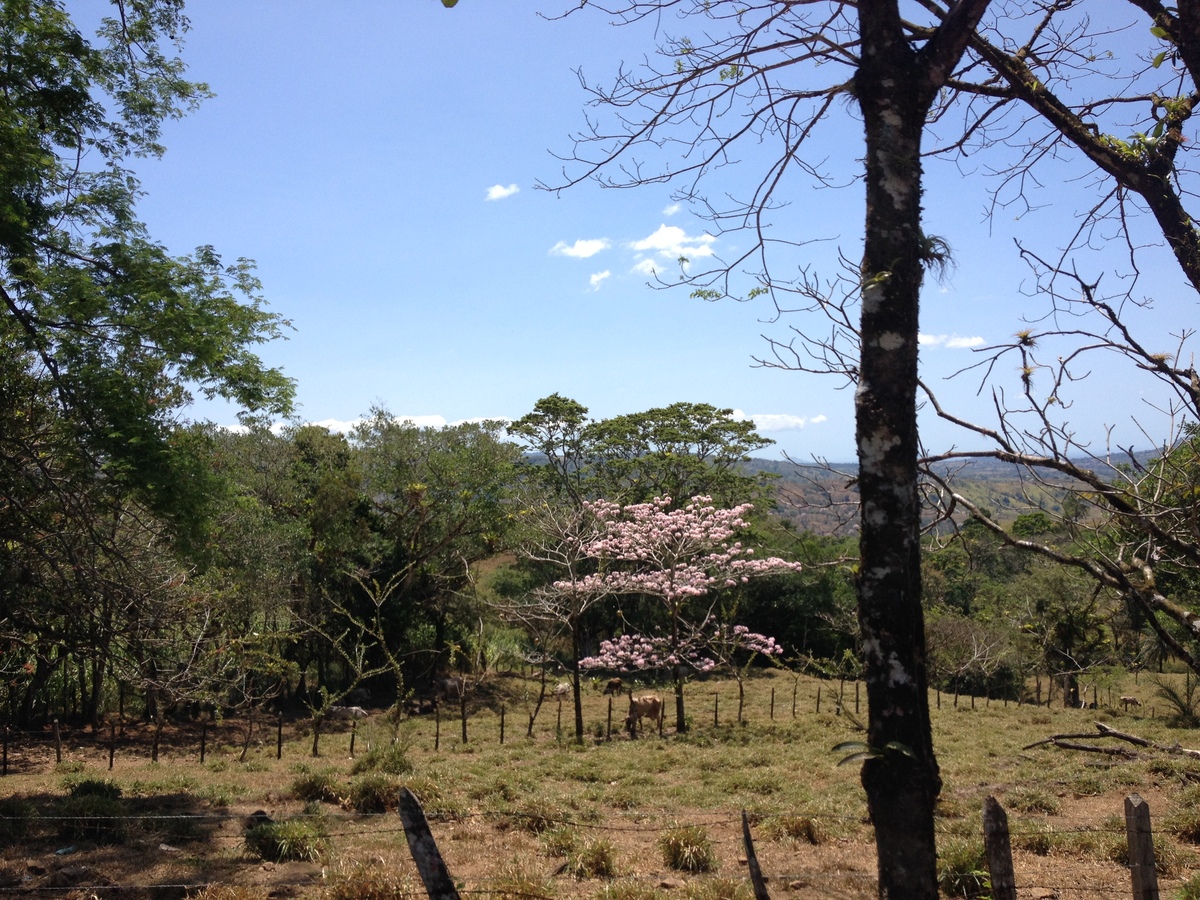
x=1068 y=742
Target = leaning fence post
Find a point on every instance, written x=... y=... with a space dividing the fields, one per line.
x=432 y=868
x=756 y=875
x=502 y=723
x=1141 y=848
x=999 y=851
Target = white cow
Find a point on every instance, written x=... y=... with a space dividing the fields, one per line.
x=345 y=713
x=643 y=707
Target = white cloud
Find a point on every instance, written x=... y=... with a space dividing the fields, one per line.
x=779 y=421
x=337 y=425
x=499 y=191
x=672 y=209
x=673 y=242
x=950 y=341
x=644 y=267
x=598 y=278
x=581 y=249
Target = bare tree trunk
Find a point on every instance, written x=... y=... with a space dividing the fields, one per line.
x=895 y=86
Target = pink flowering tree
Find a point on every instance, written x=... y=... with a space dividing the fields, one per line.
x=648 y=653
x=736 y=648
x=676 y=555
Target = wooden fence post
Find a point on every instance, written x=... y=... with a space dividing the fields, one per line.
x=716 y=704
x=203 y=740
x=58 y=743
x=856 y=696
x=756 y=875
x=795 y=689
x=112 y=745
x=818 y=698
x=502 y=722
x=608 y=727
x=279 y=739
x=772 y=704
x=462 y=706
x=4 y=770
x=1141 y=848
x=437 y=727
x=999 y=851
x=430 y=865
x=353 y=734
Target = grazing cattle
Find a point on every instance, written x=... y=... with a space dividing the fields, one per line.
x=449 y=688
x=643 y=707
x=345 y=713
x=561 y=690
x=614 y=686
x=421 y=707
x=1130 y=701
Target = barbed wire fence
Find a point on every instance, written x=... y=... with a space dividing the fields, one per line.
x=1109 y=831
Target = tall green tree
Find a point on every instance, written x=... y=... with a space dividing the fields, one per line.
x=123 y=332
x=439 y=502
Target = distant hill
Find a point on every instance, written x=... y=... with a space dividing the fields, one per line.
x=824 y=499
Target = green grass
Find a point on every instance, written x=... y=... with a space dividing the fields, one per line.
x=549 y=803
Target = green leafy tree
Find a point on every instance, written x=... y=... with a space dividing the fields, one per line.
x=679 y=451
x=439 y=503
x=123 y=332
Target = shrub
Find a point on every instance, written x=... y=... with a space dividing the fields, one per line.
x=374 y=793
x=962 y=868
x=17 y=817
x=1189 y=890
x=595 y=859
x=317 y=786
x=1036 y=838
x=389 y=759
x=796 y=828
x=718 y=889
x=561 y=841
x=629 y=890
x=90 y=818
x=231 y=892
x=1033 y=800
x=537 y=816
x=369 y=882
x=687 y=848
x=95 y=787
x=294 y=839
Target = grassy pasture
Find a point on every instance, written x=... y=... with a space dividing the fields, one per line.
x=613 y=820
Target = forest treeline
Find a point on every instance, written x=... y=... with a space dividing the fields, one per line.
x=301 y=565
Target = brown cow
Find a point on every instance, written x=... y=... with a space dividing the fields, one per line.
x=643 y=707
x=614 y=686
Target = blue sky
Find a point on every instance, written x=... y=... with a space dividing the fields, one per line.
x=378 y=159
